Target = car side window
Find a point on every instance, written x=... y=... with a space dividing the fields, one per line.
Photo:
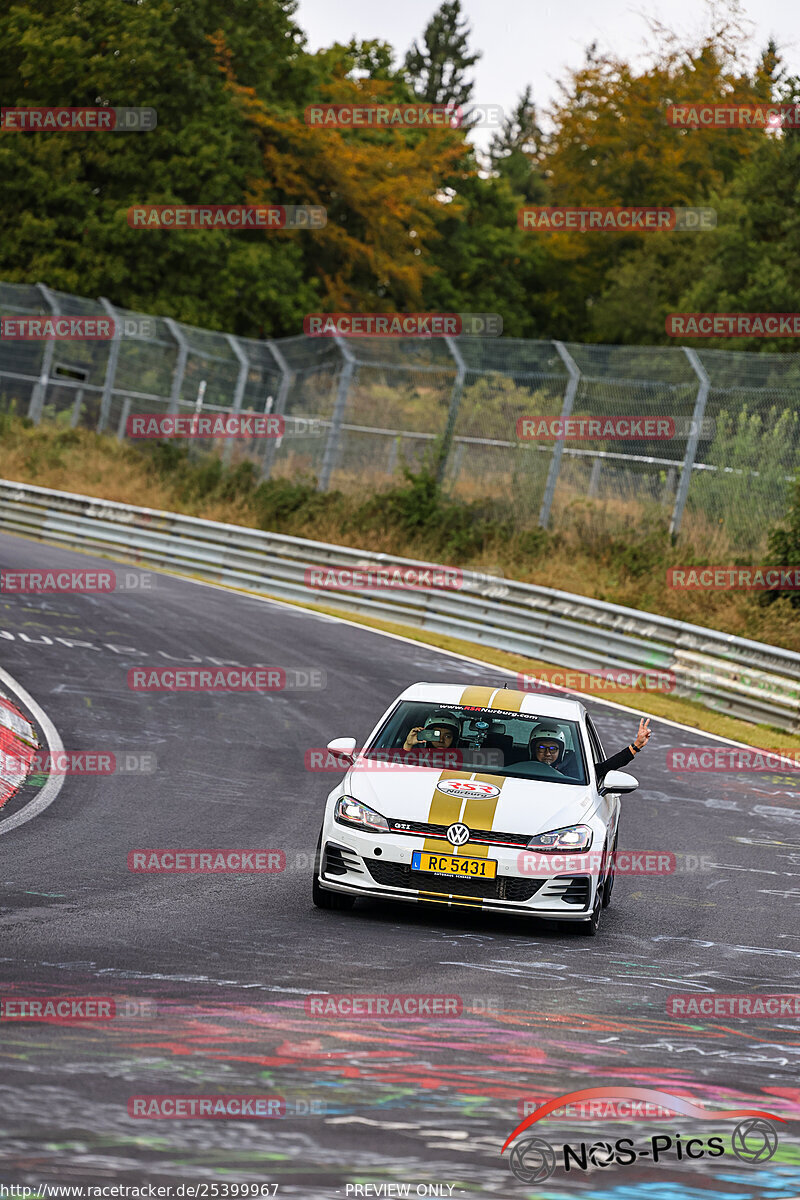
x=594 y=742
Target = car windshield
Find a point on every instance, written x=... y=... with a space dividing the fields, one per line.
x=490 y=740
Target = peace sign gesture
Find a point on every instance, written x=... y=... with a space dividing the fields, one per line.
x=643 y=736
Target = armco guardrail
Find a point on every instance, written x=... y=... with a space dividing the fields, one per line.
x=743 y=678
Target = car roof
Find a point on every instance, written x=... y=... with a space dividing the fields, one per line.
x=504 y=699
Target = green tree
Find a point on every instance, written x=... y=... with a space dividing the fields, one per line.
x=380 y=187
x=612 y=145
x=750 y=262
x=483 y=263
x=746 y=264
x=437 y=71
x=515 y=148
x=65 y=196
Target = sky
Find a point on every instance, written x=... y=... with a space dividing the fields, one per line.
x=537 y=41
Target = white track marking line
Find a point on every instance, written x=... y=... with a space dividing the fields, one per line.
x=54 y=784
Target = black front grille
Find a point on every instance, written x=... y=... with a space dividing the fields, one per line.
x=487 y=837
x=503 y=887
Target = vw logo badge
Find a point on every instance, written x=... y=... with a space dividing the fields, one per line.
x=457 y=834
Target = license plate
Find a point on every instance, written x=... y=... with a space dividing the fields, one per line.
x=453 y=864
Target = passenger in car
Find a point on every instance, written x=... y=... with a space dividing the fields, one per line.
x=440 y=731
x=547 y=745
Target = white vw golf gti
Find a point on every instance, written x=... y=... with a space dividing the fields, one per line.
x=474 y=797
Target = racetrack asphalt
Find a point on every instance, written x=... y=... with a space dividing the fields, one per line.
x=221 y=965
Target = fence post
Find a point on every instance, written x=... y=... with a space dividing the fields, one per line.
x=241 y=384
x=594 y=478
x=394 y=446
x=76 y=408
x=691 y=445
x=558 y=448
x=180 y=365
x=331 y=451
x=39 y=389
x=123 y=418
x=669 y=485
x=279 y=407
x=452 y=412
x=111 y=367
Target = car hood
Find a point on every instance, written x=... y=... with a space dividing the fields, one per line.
x=521 y=806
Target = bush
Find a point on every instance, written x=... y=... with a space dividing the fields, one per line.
x=746 y=503
x=784 y=548
x=445 y=528
x=276 y=501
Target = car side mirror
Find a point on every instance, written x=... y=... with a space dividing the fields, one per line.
x=618 y=781
x=344 y=747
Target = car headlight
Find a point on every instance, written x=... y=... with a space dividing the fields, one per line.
x=350 y=811
x=573 y=837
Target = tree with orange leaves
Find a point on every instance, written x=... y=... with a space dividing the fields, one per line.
x=381 y=187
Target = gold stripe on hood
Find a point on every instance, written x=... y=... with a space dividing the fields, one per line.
x=444 y=810
x=477 y=697
x=508 y=698
x=479 y=814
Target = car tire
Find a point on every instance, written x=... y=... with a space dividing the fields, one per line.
x=336 y=901
x=589 y=928
x=610 y=875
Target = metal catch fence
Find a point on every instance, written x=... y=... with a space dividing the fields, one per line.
x=357 y=409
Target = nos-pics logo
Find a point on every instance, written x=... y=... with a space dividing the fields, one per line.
x=534 y=1159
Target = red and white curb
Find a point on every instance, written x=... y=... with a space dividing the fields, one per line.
x=18 y=744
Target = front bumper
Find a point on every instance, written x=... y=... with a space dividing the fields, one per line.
x=379 y=866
